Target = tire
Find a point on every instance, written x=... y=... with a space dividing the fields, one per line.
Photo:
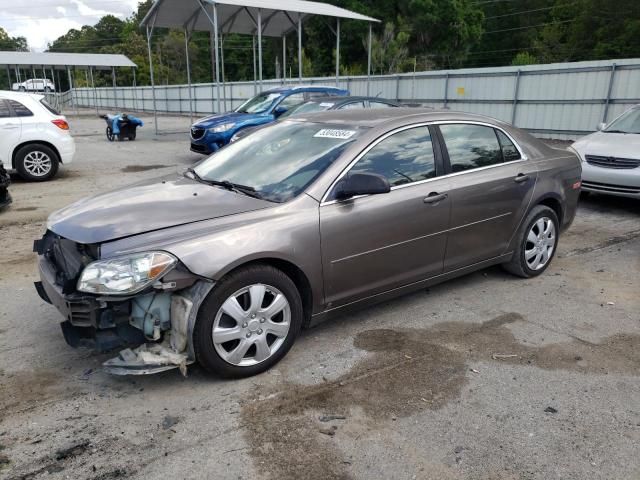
x=22 y=89
x=37 y=163
x=248 y=334
x=539 y=247
x=47 y=89
x=132 y=136
x=110 y=135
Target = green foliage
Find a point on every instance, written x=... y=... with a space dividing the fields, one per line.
x=420 y=34
x=14 y=44
x=524 y=58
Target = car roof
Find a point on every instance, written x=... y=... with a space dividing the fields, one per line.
x=347 y=99
x=375 y=117
x=9 y=95
x=292 y=88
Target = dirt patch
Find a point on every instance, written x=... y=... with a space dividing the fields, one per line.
x=142 y=168
x=408 y=371
x=24 y=389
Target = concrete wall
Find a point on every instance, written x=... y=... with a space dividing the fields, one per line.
x=563 y=100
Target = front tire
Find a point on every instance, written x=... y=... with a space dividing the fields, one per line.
x=537 y=243
x=37 y=163
x=248 y=322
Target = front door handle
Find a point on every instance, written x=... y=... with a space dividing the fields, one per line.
x=521 y=177
x=434 y=197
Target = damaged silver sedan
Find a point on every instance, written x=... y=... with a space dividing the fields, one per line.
x=312 y=216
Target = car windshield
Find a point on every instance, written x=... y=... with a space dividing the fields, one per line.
x=629 y=122
x=258 y=104
x=308 y=107
x=280 y=161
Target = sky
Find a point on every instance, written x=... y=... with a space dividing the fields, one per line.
x=42 y=21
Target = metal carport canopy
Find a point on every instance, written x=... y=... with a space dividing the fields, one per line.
x=273 y=18
x=240 y=16
x=54 y=59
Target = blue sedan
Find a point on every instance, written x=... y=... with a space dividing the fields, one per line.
x=212 y=133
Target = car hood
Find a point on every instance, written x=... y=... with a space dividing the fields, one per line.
x=221 y=118
x=622 y=145
x=146 y=206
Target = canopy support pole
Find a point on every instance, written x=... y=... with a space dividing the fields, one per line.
x=255 y=69
x=114 y=84
x=95 y=92
x=338 y=52
x=260 y=46
x=369 y=62
x=9 y=77
x=215 y=41
x=284 y=59
x=186 y=51
x=224 y=83
x=299 y=48
x=135 y=88
x=153 y=85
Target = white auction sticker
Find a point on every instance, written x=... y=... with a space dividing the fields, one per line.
x=327 y=104
x=334 y=133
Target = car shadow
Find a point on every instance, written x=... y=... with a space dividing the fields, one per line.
x=608 y=203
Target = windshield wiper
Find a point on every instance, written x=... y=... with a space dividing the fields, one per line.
x=234 y=187
x=193 y=173
x=615 y=131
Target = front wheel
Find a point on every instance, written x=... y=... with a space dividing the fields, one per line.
x=248 y=322
x=537 y=243
x=110 y=135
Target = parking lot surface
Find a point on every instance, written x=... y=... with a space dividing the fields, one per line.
x=484 y=377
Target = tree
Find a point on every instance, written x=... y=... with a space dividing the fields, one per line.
x=14 y=44
x=389 y=51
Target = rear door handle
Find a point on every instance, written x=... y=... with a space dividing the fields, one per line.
x=521 y=177
x=434 y=197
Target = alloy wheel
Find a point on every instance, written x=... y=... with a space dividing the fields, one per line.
x=540 y=243
x=251 y=325
x=37 y=163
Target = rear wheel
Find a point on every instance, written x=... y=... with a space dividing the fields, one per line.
x=110 y=135
x=36 y=162
x=248 y=322
x=537 y=243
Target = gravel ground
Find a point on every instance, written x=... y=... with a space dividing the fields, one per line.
x=483 y=377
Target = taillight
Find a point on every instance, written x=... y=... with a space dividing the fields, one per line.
x=62 y=124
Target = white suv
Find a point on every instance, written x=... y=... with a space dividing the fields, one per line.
x=34 y=137
x=35 y=85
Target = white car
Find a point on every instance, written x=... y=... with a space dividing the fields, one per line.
x=34 y=137
x=611 y=156
x=35 y=85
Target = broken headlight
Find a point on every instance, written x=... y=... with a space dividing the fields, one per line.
x=125 y=275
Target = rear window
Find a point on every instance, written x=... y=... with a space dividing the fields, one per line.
x=20 y=110
x=46 y=105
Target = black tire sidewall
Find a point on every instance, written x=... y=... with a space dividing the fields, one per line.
x=205 y=352
x=533 y=217
x=24 y=151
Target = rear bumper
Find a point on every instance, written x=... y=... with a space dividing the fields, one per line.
x=67 y=149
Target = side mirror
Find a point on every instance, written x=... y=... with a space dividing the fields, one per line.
x=279 y=111
x=361 y=184
x=602 y=126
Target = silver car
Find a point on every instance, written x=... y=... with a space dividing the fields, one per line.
x=302 y=220
x=611 y=157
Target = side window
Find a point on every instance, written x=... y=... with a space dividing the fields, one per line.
x=291 y=100
x=509 y=150
x=4 y=109
x=471 y=146
x=20 y=110
x=402 y=158
x=349 y=106
x=379 y=105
